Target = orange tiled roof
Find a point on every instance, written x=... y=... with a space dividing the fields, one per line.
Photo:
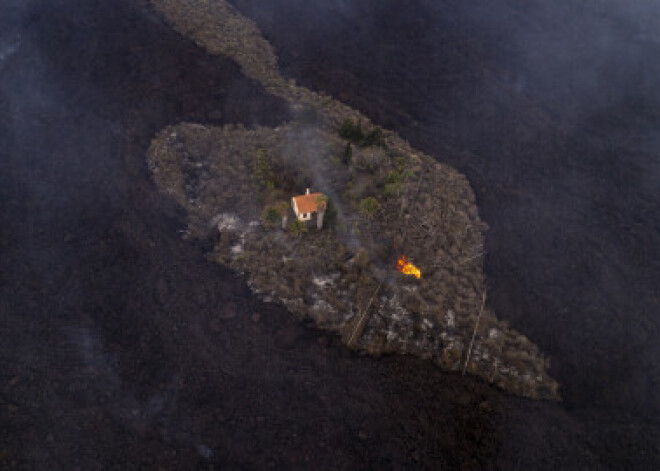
x=307 y=203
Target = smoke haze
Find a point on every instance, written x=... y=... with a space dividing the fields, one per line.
x=552 y=110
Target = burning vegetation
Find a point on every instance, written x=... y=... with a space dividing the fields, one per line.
x=407 y=268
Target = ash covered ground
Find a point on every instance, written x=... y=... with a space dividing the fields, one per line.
x=122 y=346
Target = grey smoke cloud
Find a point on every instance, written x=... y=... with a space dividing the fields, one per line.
x=7 y=50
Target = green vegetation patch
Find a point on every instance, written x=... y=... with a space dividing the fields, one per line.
x=352 y=131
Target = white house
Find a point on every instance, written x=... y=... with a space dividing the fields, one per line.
x=305 y=205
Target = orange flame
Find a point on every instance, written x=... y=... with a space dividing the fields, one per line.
x=407 y=268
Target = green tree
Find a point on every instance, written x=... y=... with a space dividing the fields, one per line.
x=369 y=207
x=348 y=154
x=393 y=183
x=373 y=138
x=283 y=210
x=297 y=228
x=351 y=131
x=262 y=170
x=330 y=219
x=270 y=216
x=321 y=206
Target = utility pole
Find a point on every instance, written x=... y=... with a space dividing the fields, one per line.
x=474 y=334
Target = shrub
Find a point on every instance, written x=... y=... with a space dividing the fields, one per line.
x=373 y=138
x=330 y=219
x=351 y=131
x=390 y=190
x=369 y=160
x=282 y=208
x=262 y=170
x=393 y=183
x=369 y=207
x=394 y=177
x=321 y=202
x=297 y=228
x=270 y=216
x=348 y=154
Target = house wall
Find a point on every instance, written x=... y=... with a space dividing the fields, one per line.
x=295 y=208
x=299 y=215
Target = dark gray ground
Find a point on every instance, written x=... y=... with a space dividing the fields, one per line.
x=121 y=346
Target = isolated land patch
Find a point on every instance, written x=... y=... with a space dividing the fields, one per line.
x=385 y=200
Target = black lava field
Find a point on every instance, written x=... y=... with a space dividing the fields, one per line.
x=123 y=347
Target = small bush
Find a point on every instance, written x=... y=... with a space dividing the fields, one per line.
x=394 y=182
x=369 y=207
x=348 y=154
x=351 y=131
x=270 y=216
x=330 y=219
x=373 y=138
x=297 y=228
x=394 y=177
x=398 y=176
x=390 y=190
x=321 y=202
x=263 y=171
x=369 y=160
x=282 y=208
